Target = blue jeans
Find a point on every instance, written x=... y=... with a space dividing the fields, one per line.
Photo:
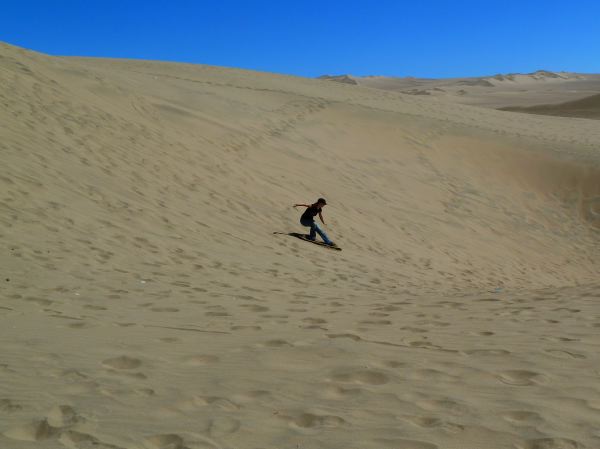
x=316 y=229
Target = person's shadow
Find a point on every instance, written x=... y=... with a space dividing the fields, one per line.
x=306 y=238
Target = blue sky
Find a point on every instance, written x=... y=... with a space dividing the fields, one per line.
x=434 y=38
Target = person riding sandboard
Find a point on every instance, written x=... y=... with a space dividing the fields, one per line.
x=308 y=219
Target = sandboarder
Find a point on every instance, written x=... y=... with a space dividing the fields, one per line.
x=308 y=220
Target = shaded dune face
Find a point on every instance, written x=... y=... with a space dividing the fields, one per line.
x=135 y=154
x=588 y=107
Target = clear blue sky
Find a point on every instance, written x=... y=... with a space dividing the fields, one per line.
x=429 y=38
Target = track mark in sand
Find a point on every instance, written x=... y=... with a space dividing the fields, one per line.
x=73 y=439
x=169 y=339
x=376 y=322
x=57 y=423
x=222 y=426
x=311 y=420
x=164 y=441
x=218 y=314
x=200 y=360
x=34 y=431
x=564 y=354
x=241 y=328
x=520 y=378
x=8 y=406
x=394 y=364
x=425 y=421
x=446 y=405
x=429 y=422
x=482 y=333
x=62 y=416
x=204 y=401
x=340 y=393
x=277 y=343
x=252 y=396
x=412 y=345
x=551 y=443
x=122 y=362
x=164 y=309
x=94 y=307
x=486 y=352
x=311 y=320
x=352 y=337
x=432 y=375
x=186 y=329
x=255 y=308
x=360 y=376
x=394 y=443
x=522 y=417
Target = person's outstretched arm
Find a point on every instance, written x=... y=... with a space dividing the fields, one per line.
x=305 y=205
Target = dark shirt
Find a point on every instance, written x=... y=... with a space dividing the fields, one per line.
x=310 y=212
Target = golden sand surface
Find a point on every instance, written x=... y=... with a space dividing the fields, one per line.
x=146 y=302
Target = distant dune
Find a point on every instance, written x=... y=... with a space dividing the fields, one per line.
x=588 y=107
x=339 y=78
x=151 y=298
x=497 y=91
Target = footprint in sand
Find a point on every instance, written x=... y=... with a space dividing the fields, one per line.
x=241 y=328
x=522 y=417
x=340 y=393
x=62 y=416
x=252 y=396
x=165 y=441
x=564 y=354
x=520 y=377
x=375 y=322
x=8 y=406
x=349 y=336
x=55 y=422
x=310 y=421
x=487 y=352
x=445 y=405
x=395 y=443
x=255 y=308
x=121 y=363
x=222 y=426
x=360 y=376
x=164 y=309
x=311 y=320
x=33 y=431
x=73 y=439
x=277 y=343
x=551 y=443
x=200 y=360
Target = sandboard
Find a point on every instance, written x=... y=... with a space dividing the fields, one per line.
x=306 y=238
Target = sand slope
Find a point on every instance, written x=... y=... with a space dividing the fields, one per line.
x=146 y=302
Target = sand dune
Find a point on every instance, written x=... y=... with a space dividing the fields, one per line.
x=147 y=303
x=497 y=91
x=588 y=107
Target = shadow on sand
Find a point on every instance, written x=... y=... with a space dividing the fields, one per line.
x=306 y=239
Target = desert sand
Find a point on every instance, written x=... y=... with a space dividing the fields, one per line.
x=147 y=304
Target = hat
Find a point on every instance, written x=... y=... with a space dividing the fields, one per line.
x=322 y=200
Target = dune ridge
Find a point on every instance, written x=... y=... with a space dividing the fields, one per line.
x=148 y=304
